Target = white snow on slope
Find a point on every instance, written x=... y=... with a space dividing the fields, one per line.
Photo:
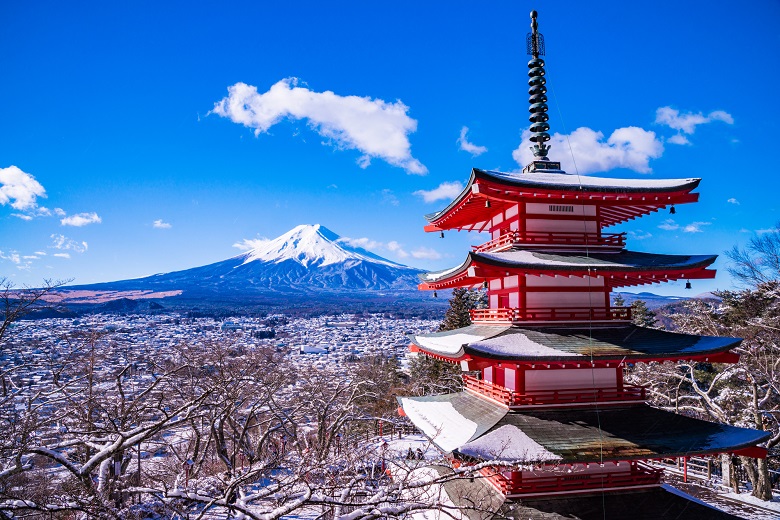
x=508 y=443
x=312 y=246
x=441 y=422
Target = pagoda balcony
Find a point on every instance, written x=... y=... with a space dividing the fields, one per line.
x=557 y=240
x=516 y=483
x=540 y=398
x=550 y=314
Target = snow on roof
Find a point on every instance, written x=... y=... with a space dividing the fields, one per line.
x=573 y=180
x=518 y=345
x=438 y=274
x=508 y=443
x=441 y=422
x=452 y=420
x=622 y=260
x=569 y=342
x=451 y=342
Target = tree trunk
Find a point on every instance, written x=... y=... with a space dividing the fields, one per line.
x=763 y=486
x=751 y=471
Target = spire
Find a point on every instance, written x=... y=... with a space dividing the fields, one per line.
x=537 y=91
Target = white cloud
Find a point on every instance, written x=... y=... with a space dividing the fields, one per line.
x=630 y=147
x=733 y=201
x=695 y=227
x=12 y=256
x=19 y=189
x=375 y=127
x=678 y=139
x=62 y=255
x=396 y=248
x=22 y=216
x=374 y=245
x=669 y=225
x=765 y=231
x=365 y=243
x=81 y=219
x=64 y=243
x=388 y=197
x=446 y=191
x=251 y=243
x=20 y=262
x=686 y=123
x=426 y=253
x=640 y=235
x=159 y=224
x=466 y=146
x=59 y=212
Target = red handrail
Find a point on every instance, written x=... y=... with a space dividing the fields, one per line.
x=555 y=397
x=640 y=475
x=516 y=238
x=552 y=314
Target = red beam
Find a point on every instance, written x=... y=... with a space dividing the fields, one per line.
x=755 y=452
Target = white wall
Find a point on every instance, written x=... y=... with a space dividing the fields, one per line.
x=567 y=378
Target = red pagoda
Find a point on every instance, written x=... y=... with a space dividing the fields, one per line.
x=543 y=365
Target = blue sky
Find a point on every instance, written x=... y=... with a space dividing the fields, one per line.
x=134 y=152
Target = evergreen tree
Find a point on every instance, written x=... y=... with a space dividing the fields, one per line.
x=618 y=300
x=462 y=301
x=641 y=315
x=432 y=376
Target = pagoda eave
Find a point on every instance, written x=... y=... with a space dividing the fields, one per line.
x=479 y=429
x=474 y=361
x=566 y=346
x=616 y=205
x=479 y=267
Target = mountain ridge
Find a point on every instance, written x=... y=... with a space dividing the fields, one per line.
x=306 y=259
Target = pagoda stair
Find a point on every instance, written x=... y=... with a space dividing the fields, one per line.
x=517 y=485
x=555 y=240
x=550 y=314
x=543 y=398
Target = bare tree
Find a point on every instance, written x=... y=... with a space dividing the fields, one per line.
x=759 y=261
x=744 y=394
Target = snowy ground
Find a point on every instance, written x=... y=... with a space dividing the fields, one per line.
x=743 y=505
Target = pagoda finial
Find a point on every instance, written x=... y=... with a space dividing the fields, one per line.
x=537 y=91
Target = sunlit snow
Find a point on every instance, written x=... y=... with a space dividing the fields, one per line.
x=312 y=246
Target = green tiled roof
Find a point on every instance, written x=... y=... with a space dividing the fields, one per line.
x=570 y=343
x=598 y=262
x=626 y=433
x=579 y=434
x=482 y=502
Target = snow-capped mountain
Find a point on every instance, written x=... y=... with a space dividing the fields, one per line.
x=313 y=246
x=305 y=259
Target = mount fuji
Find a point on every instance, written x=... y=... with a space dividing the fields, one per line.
x=308 y=259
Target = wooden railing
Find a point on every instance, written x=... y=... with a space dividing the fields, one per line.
x=496 y=392
x=640 y=475
x=555 y=397
x=574 y=314
x=518 y=238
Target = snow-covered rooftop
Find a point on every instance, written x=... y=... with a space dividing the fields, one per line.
x=624 y=261
x=590 y=183
x=569 y=343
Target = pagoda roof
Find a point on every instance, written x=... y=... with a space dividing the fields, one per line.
x=479 y=500
x=479 y=266
x=658 y=503
x=465 y=424
x=569 y=344
x=634 y=196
